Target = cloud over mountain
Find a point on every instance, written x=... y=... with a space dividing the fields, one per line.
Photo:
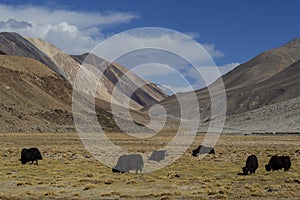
x=73 y=31
x=14 y=24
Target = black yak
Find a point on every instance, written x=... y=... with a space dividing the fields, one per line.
x=251 y=165
x=203 y=150
x=32 y=154
x=129 y=162
x=158 y=155
x=279 y=162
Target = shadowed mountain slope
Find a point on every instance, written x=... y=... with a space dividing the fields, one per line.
x=146 y=95
x=271 y=77
x=15 y=44
x=263 y=66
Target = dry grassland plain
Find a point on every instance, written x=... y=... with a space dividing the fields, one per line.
x=69 y=171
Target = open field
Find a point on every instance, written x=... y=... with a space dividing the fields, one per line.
x=68 y=171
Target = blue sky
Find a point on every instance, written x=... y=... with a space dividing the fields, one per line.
x=235 y=31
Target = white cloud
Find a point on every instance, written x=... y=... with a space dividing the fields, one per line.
x=212 y=51
x=72 y=31
x=42 y=15
x=193 y=35
x=14 y=24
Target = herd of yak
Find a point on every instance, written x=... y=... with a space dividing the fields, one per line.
x=135 y=161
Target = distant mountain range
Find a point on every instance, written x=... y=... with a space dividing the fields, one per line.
x=36 y=90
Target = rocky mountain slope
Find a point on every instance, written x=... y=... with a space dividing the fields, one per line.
x=282 y=117
x=15 y=44
x=112 y=73
x=263 y=66
x=35 y=99
x=148 y=94
x=283 y=86
x=269 y=78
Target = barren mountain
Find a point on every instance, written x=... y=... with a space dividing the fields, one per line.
x=283 y=86
x=15 y=44
x=271 y=77
x=69 y=67
x=35 y=99
x=263 y=66
x=272 y=105
x=112 y=73
x=146 y=95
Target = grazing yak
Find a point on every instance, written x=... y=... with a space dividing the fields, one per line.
x=32 y=154
x=129 y=162
x=158 y=155
x=251 y=165
x=279 y=162
x=203 y=150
